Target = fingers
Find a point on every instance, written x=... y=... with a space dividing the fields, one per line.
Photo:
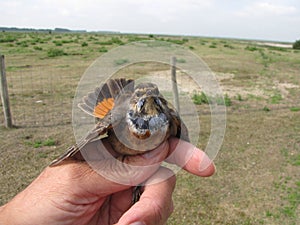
x=190 y=158
x=114 y=174
x=131 y=170
x=155 y=204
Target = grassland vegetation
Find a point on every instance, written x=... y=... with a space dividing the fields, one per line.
x=296 y=45
x=258 y=166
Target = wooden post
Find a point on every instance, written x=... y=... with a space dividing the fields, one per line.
x=174 y=83
x=4 y=94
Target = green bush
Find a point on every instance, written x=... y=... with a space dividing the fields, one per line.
x=104 y=42
x=102 y=49
x=177 y=41
x=57 y=43
x=199 y=98
x=228 y=46
x=276 y=98
x=296 y=45
x=251 y=48
x=84 y=44
x=266 y=109
x=53 y=52
x=295 y=109
x=37 y=48
x=7 y=39
x=227 y=100
x=239 y=97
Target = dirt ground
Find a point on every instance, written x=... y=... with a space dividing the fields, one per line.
x=258 y=166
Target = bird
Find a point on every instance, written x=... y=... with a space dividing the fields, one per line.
x=133 y=118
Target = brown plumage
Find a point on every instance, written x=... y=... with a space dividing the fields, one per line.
x=136 y=119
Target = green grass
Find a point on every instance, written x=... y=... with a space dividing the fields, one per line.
x=41 y=143
x=54 y=52
x=295 y=109
x=276 y=98
x=266 y=109
x=119 y=62
x=251 y=48
x=257 y=179
x=199 y=98
x=293 y=200
x=84 y=44
x=103 y=49
x=227 y=100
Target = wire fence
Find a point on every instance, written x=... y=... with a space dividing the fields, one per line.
x=41 y=95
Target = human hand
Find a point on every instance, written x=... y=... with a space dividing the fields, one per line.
x=73 y=193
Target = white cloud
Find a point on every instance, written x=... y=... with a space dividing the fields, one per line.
x=269 y=19
x=266 y=9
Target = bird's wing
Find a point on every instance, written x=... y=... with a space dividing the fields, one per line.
x=177 y=127
x=98 y=104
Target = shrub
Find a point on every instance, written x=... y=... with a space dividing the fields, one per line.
x=57 y=43
x=228 y=46
x=199 y=98
x=239 y=97
x=177 y=41
x=295 y=109
x=251 y=48
x=7 y=39
x=84 y=44
x=67 y=41
x=276 y=98
x=38 y=48
x=117 y=41
x=53 y=52
x=102 y=49
x=227 y=100
x=266 y=109
x=296 y=45
x=104 y=42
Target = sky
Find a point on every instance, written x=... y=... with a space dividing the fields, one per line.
x=277 y=20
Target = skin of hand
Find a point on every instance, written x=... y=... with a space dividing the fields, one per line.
x=73 y=193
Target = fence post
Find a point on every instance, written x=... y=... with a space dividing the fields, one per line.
x=174 y=83
x=4 y=94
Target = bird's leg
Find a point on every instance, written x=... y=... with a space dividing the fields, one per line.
x=136 y=193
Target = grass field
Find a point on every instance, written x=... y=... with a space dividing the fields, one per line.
x=258 y=166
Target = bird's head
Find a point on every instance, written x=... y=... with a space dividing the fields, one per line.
x=146 y=115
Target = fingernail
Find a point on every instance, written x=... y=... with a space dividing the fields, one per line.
x=205 y=163
x=138 y=223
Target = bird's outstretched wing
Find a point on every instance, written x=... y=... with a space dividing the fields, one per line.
x=98 y=104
